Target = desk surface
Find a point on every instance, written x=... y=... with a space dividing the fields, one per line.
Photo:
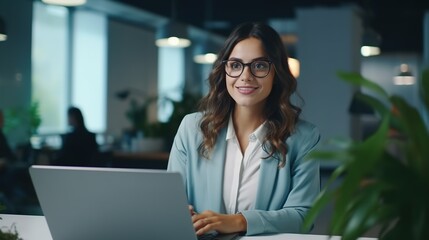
x=36 y=228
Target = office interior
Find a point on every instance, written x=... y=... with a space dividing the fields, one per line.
x=102 y=56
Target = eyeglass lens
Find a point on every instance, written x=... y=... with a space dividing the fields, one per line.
x=258 y=68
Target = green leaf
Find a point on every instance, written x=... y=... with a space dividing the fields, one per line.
x=358 y=80
x=360 y=209
x=319 y=204
x=378 y=106
x=365 y=156
x=416 y=134
x=378 y=176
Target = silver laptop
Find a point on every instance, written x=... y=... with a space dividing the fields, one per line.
x=113 y=203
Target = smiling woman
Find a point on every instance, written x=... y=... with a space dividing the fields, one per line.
x=246 y=142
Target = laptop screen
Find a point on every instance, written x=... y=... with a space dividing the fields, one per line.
x=112 y=203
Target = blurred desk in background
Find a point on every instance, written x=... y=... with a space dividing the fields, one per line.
x=148 y=160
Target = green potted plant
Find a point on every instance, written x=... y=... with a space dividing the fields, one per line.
x=28 y=117
x=138 y=115
x=144 y=134
x=188 y=104
x=21 y=124
x=384 y=179
x=8 y=233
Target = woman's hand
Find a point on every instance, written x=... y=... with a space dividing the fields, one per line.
x=191 y=210
x=208 y=221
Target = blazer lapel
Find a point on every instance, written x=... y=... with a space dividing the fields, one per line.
x=215 y=169
x=267 y=178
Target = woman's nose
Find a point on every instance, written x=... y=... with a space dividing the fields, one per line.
x=247 y=74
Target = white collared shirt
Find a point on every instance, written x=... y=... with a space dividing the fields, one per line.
x=241 y=173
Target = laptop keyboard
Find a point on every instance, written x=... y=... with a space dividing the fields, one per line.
x=208 y=236
x=215 y=236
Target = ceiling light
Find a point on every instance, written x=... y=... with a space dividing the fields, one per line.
x=367 y=51
x=173 y=34
x=371 y=42
x=205 y=52
x=405 y=77
x=208 y=58
x=68 y=3
x=3 y=34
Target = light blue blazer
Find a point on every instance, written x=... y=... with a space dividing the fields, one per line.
x=284 y=194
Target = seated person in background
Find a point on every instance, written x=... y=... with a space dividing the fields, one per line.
x=79 y=146
x=6 y=153
x=7 y=173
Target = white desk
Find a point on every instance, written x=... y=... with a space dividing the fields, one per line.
x=36 y=228
x=28 y=227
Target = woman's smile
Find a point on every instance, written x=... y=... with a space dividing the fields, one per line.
x=247 y=89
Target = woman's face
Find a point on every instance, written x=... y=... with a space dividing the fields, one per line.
x=247 y=90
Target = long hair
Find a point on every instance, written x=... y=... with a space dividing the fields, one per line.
x=280 y=113
x=77 y=116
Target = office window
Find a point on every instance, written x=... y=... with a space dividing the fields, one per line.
x=69 y=66
x=49 y=65
x=89 y=84
x=171 y=79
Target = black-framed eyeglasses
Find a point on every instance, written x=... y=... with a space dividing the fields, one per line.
x=258 y=68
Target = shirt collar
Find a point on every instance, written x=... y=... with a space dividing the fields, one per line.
x=230 y=132
x=259 y=133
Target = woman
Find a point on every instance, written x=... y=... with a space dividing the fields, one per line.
x=242 y=157
x=6 y=152
x=79 y=146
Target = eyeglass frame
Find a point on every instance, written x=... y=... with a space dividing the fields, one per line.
x=249 y=64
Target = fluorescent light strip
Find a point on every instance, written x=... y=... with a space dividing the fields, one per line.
x=173 y=42
x=368 y=51
x=3 y=37
x=207 y=58
x=68 y=3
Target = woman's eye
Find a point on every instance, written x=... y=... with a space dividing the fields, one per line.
x=235 y=65
x=260 y=65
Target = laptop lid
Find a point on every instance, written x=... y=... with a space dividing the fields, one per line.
x=112 y=203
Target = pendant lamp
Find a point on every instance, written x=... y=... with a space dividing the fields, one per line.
x=173 y=33
x=205 y=52
x=405 y=77
x=371 y=42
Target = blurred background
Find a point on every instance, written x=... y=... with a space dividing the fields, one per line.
x=105 y=57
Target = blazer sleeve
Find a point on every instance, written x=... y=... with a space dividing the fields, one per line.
x=286 y=213
x=177 y=159
x=180 y=152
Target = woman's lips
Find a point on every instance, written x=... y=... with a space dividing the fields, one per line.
x=246 y=90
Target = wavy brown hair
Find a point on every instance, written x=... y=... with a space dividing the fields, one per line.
x=280 y=114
